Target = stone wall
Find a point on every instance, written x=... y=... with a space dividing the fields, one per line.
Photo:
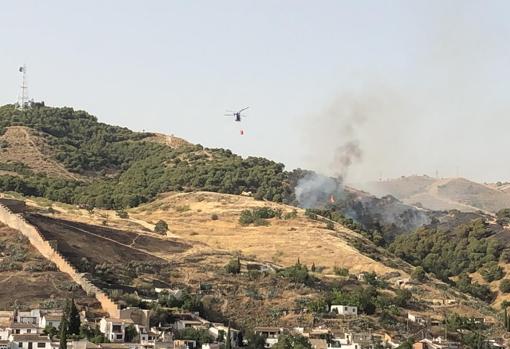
x=18 y=222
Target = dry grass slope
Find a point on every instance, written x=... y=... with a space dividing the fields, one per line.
x=442 y=194
x=24 y=146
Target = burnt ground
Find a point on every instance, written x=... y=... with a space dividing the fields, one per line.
x=102 y=244
x=28 y=280
x=114 y=259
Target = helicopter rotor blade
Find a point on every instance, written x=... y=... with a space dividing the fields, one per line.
x=243 y=109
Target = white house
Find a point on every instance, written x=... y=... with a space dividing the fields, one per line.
x=176 y=293
x=344 y=310
x=29 y=341
x=185 y=344
x=28 y=317
x=23 y=328
x=344 y=343
x=50 y=320
x=217 y=328
x=4 y=333
x=189 y=320
x=211 y=346
x=270 y=334
x=417 y=318
x=147 y=337
x=114 y=329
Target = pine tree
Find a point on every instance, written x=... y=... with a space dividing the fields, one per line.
x=228 y=340
x=507 y=320
x=63 y=331
x=74 y=319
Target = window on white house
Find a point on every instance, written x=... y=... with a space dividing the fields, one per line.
x=41 y=345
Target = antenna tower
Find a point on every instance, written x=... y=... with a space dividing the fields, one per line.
x=23 y=92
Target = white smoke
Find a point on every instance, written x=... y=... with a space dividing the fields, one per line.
x=314 y=190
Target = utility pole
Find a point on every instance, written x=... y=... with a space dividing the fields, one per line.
x=23 y=92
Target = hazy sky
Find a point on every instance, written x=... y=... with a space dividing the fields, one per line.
x=417 y=85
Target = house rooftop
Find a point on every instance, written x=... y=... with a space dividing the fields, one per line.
x=30 y=338
x=119 y=321
x=319 y=343
x=115 y=345
x=22 y=325
x=267 y=329
x=53 y=317
x=84 y=344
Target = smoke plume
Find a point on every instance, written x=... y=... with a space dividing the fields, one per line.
x=314 y=189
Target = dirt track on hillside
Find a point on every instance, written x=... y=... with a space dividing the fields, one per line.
x=99 y=244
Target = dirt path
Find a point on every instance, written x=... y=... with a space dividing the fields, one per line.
x=36 y=150
x=111 y=240
x=10 y=277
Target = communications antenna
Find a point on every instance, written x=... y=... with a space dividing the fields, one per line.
x=23 y=102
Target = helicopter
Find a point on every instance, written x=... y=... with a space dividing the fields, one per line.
x=236 y=114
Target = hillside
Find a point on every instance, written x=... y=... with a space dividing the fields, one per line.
x=469 y=249
x=28 y=280
x=69 y=156
x=73 y=158
x=97 y=192
x=442 y=194
x=124 y=255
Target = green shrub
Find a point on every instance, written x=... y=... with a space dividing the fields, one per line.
x=504 y=286
x=246 y=217
x=122 y=214
x=311 y=215
x=483 y=292
x=340 y=271
x=503 y=216
x=233 y=266
x=266 y=213
x=161 y=227
x=491 y=272
x=298 y=273
x=290 y=215
x=258 y=216
x=363 y=298
x=450 y=252
x=419 y=274
x=402 y=298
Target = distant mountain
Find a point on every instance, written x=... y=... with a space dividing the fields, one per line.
x=443 y=194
